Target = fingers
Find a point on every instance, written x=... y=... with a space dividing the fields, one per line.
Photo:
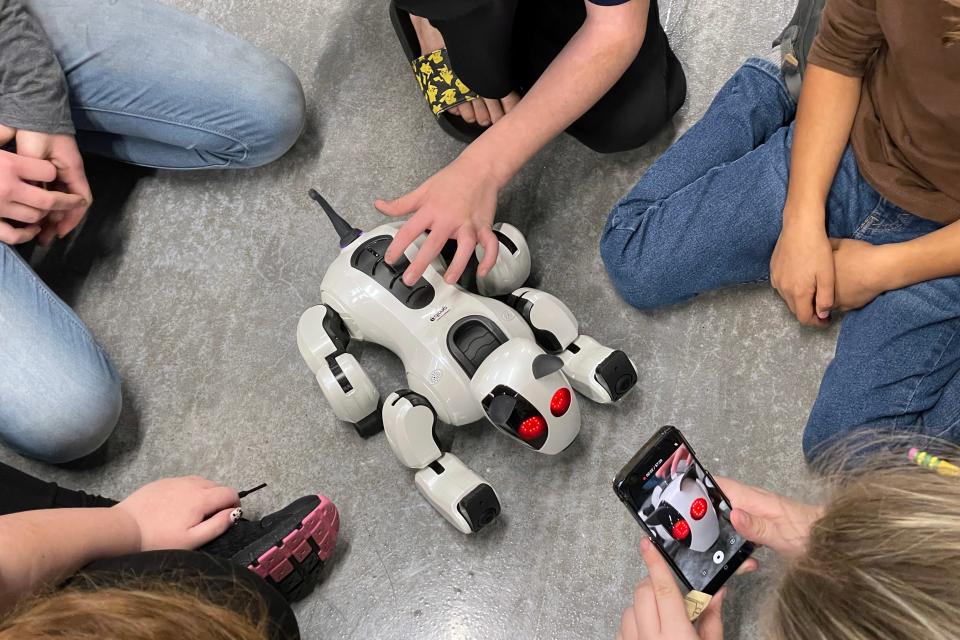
x=216 y=498
x=749 y=566
x=646 y=618
x=495 y=110
x=824 y=297
x=835 y=243
x=669 y=599
x=491 y=247
x=69 y=221
x=213 y=527
x=34 y=169
x=45 y=200
x=48 y=229
x=407 y=203
x=466 y=242
x=405 y=235
x=425 y=255
x=17 y=235
x=710 y=623
x=750 y=526
x=628 y=624
x=483 y=115
x=6 y=134
x=23 y=213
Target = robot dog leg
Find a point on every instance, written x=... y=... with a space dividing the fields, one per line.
x=323 y=339
x=459 y=494
x=602 y=374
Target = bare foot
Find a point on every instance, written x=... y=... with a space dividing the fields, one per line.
x=483 y=111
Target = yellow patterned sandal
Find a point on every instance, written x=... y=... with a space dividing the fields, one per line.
x=438 y=82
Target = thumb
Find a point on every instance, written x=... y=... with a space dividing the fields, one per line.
x=401 y=206
x=710 y=623
x=751 y=527
x=213 y=527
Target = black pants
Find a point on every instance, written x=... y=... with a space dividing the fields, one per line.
x=497 y=46
x=220 y=581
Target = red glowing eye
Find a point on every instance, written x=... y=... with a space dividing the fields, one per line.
x=680 y=530
x=532 y=428
x=698 y=509
x=560 y=401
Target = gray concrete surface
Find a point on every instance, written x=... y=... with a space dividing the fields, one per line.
x=199 y=310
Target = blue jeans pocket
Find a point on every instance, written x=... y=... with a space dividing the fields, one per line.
x=889 y=223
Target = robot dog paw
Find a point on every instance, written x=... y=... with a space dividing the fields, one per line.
x=616 y=375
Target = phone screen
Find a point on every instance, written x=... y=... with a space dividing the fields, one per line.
x=684 y=511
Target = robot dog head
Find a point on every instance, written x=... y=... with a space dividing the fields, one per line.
x=524 y=393
x=683 y=511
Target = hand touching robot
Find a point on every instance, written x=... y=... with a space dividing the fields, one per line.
x=484 y=347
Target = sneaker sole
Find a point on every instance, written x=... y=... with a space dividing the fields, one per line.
x=293 y=565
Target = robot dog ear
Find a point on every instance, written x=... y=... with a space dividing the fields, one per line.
x=500 y=409
x=545 y=364
x=660 y=516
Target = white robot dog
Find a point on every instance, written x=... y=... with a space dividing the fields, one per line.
x=511 y=359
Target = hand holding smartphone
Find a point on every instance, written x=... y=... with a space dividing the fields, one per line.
x=683 y=511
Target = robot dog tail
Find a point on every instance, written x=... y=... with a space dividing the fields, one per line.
x=347 y=232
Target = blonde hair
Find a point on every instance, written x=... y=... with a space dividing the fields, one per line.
x=144 y=611
x=882 y=562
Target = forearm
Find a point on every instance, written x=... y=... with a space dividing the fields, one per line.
x=33 y=90
x=43 y=547
x=828 y=104
x=935 y=255
x=587 y=67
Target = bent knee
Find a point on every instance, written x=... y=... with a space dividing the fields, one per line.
x=639 y=273
x=66 y=424
x=276 y=109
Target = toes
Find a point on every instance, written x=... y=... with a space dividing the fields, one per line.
x=510 y=101
x=480 y=109
x=467 y=113
x=494 y=109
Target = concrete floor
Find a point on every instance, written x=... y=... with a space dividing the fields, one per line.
x=199 y=310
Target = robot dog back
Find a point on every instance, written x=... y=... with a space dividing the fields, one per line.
x=422 y=324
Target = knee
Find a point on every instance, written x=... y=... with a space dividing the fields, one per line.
x=617 y=132
x=68 y=423
x=636 y=271
x=274 y=107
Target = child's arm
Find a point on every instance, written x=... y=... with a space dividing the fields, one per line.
x=41 y=547
x=864 y=271
x=802 y=268
x=460 y=201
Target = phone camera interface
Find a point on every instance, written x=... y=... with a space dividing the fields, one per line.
x=685 y=513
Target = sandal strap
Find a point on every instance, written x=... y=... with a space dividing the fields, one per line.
x=441 y=87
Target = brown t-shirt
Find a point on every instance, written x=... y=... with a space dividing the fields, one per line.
x=906 y=135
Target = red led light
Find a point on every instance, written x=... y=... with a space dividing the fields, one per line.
x=680 y=530
x=698 y=509
x=532 y=428
x=560 y=401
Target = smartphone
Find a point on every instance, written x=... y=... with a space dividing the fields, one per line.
x=683 y=511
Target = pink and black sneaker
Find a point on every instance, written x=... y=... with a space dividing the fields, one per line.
x=287 y=548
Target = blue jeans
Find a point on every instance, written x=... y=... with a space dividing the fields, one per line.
x=151 y=86
x=707 y=215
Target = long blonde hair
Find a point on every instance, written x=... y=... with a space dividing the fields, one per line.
x=143 y=611
x=883 y=562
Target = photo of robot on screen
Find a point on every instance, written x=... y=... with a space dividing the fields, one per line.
x=688 y=517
